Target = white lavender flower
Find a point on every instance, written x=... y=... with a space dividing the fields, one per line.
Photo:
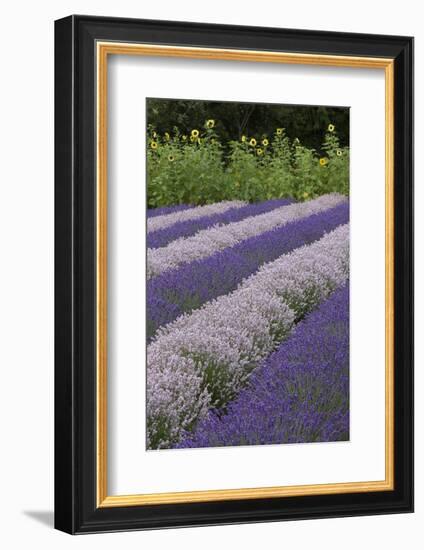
x=206 y=242
x=160 y=222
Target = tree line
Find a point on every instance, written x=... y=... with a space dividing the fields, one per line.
x=234 y=119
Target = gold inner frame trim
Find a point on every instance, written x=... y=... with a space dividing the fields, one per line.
x=103 y=50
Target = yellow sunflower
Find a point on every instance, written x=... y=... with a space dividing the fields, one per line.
x=252 y=142
x=243 y=138
x=280 y=131
x=210 y=123
x=323 y=161
x=195 y=133
x=154 y=144
x=167 y=136
x=184 y=138
x=171 y=158
x=339 y=152
x=331 y=127
x=265 y=142
x=259 y=151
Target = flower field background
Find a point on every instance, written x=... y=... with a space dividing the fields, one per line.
x=247 y=289
x=249 y=316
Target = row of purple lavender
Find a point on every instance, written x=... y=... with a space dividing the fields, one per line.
x=194 y=213
x=208 y=241
x=205 y=357
x=163 y=210
x=301 y=392
x=189 y=286
x=162 y=237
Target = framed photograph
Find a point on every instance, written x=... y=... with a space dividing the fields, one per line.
x=234 y=274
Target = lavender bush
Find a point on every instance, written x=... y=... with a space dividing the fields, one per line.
x=162 y=237
x=209 y=241
x=299 y=395
x=203 y=359
x=153 y=212
x=187 y=287
x=160 y=222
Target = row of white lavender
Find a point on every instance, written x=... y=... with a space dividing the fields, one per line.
x=160 y=222
x=202 y=359
x=206 y=242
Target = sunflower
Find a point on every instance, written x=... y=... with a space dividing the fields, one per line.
x=154 y=135
x=280 y=131
x=323 y=161
x=184 y=138
x=331 y=127
x=243 y=138
x=339 y=152
x=167 y=136
x=192 y=138
x=252 y=142
x=210 y=123
x=171 y=158
x=195 y=133
x=154 y=144
x=259 y=151
x=265 y=142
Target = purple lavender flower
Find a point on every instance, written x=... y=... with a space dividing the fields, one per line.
x=163 y=210
x=203 y=359
x=162 y=237
x=160 y=222
x=299 y=395
x=183 y=289
x=208 y=241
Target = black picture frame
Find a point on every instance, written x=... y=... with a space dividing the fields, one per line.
x=76 y=509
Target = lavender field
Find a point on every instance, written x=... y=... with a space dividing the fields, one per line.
x=248 y=323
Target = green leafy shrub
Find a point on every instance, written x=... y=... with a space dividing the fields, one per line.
x=193 y=168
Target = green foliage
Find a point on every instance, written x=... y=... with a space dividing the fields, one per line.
x=197 y=168
x=235 y=119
